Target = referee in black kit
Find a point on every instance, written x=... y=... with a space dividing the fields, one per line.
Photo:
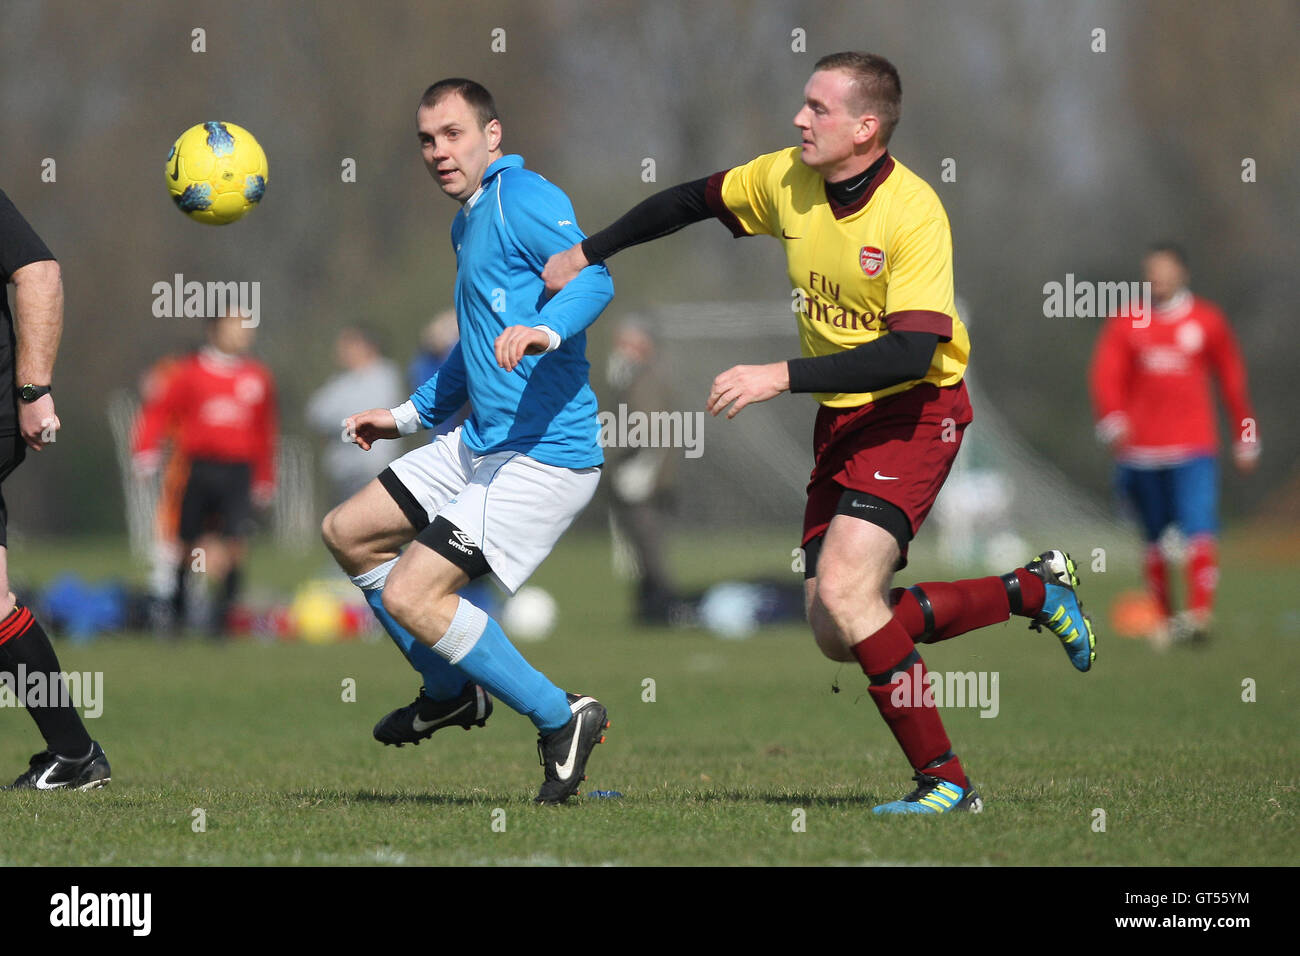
x=70 y=758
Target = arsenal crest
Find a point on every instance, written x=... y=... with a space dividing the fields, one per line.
x=872 y=260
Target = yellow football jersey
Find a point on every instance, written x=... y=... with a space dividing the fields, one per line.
x=860 y=271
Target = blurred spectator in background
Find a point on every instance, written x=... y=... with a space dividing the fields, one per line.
x=641 y=480
x=368 y=380
x=437 y=340
x=166 y=553
x=219 y=406
x=1151 y=392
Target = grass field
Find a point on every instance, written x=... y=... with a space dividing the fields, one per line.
x=741 y=736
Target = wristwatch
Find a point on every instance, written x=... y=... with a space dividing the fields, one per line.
x=30 y=393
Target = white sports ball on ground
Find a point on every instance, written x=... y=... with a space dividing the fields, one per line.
x=529 y=615
x=730 y=610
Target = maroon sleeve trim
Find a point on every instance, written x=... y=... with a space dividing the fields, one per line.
x=713 y=196
x=921 y=320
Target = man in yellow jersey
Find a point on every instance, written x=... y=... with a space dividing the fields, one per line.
x=869 y=253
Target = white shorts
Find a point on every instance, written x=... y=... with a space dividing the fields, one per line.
x=514 y=507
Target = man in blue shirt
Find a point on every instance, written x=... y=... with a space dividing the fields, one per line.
x=493 y=496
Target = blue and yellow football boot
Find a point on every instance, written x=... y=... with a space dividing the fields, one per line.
x=1062 y=612
x=933 y=795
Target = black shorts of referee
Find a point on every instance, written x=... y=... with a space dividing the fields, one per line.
x=217 y=500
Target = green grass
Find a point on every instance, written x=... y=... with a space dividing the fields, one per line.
x=741 y=735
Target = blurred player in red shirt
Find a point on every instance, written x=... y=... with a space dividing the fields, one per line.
x=1151 y=391
x=219 y=405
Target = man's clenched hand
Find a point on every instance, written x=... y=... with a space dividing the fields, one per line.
x=563 y=267
x=366 y=428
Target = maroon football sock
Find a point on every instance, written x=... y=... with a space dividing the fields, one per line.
x=937 y=610
x=903 y=697
x=948 y=767
x=1033 y=592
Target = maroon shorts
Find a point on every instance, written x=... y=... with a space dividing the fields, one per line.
x=900 y=448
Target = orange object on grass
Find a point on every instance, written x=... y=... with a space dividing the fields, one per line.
x=1135 y=614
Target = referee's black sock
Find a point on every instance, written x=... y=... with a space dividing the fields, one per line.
x=24 y=644
x=230 y=586
x=178 y=595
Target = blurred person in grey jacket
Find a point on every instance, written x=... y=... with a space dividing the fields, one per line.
x=368 y=380
x=642 y=479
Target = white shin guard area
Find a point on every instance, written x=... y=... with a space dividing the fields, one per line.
x=466 y=628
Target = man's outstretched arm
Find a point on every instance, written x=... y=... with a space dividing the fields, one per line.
x=662 y=214
x=881 y=363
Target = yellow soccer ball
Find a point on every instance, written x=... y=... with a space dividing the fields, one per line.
x=216 y=172
x=316 y=613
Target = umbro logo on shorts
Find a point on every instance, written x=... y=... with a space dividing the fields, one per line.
x=462 y=542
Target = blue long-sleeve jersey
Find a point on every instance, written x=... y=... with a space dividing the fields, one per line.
x=545 y=408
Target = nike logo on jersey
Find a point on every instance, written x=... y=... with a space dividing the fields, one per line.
x=565 y=770
x=880 y=477
x=786 y=235
x=422 y=725
x=565 y=222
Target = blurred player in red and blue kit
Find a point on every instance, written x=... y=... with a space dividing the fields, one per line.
x=1150 y=380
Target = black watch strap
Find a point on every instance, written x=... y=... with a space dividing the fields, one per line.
x=30 y=393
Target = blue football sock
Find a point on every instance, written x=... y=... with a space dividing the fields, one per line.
x=481 y=649
x=442 y=681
